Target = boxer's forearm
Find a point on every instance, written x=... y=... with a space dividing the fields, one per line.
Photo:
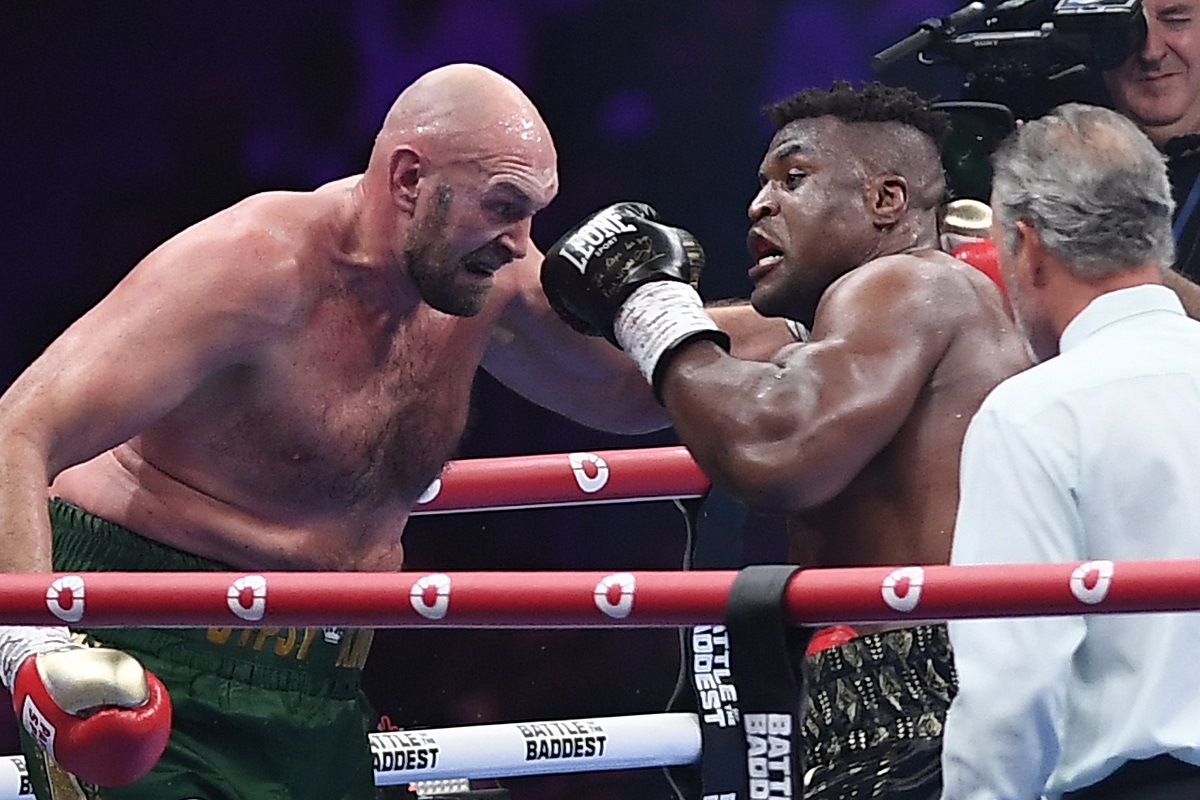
x=24 y=518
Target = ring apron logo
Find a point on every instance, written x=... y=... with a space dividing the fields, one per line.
x=430 y=595
x=247 y=597
x=614 y=594
x=431 y=492
x=711 y=675
x=589 y=484
x=769 y=755
x=902 y=588
x=1091 y=580
x=64 y=598
x=570 y=739
x=404 y=750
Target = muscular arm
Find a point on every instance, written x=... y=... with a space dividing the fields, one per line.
x=541 y=358
x=586 y=379
x=792 y=434
x=186 y=310
x=753 y=337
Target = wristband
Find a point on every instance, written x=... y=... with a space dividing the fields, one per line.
x=19 y=642
x=658 y=317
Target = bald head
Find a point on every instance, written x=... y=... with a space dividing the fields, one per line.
x=460 y=167
x=464 y=112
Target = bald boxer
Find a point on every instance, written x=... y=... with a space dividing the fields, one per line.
x=273 y=389
x=854 y=434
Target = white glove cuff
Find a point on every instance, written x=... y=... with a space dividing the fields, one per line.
x=19 y=642
x=655 y=318
x=797 y=330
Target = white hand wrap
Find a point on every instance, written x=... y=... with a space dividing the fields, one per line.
x=657 y=317
x=797 y=329
x=19 y=642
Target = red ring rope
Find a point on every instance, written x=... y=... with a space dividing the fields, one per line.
x=648 y=473
x=588 y=599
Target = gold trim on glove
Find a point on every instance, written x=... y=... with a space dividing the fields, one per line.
x=79 y=679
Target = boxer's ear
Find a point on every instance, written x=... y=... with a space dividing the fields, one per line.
x=887 y=199
x=404 y=176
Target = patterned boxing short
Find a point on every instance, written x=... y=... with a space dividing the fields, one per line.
x=262 y=714
x=876 y=708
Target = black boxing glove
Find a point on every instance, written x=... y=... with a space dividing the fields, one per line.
x=596 y=265
x=623 y=275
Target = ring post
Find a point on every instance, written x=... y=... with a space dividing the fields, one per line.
x=767 y=657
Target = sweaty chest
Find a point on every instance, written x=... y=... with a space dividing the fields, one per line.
x=361 y=417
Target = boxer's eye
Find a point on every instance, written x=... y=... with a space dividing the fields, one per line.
x=507 y=212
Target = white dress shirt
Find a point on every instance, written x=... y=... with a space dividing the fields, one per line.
x=1094 y=454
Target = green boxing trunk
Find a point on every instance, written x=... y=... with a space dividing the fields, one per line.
x=259 y=714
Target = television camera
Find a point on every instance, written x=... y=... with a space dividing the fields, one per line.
x=1018 y=59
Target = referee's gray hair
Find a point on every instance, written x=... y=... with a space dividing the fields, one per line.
x=1092 y=185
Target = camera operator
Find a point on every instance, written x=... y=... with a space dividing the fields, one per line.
x=1158 y=88
x=1140 y=58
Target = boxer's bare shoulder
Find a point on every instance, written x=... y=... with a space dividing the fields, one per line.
x=319 y=405
x=920 y=338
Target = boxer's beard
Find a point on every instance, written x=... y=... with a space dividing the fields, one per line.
x=432 y=265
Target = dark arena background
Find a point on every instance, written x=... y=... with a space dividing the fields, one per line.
x=125 y=122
